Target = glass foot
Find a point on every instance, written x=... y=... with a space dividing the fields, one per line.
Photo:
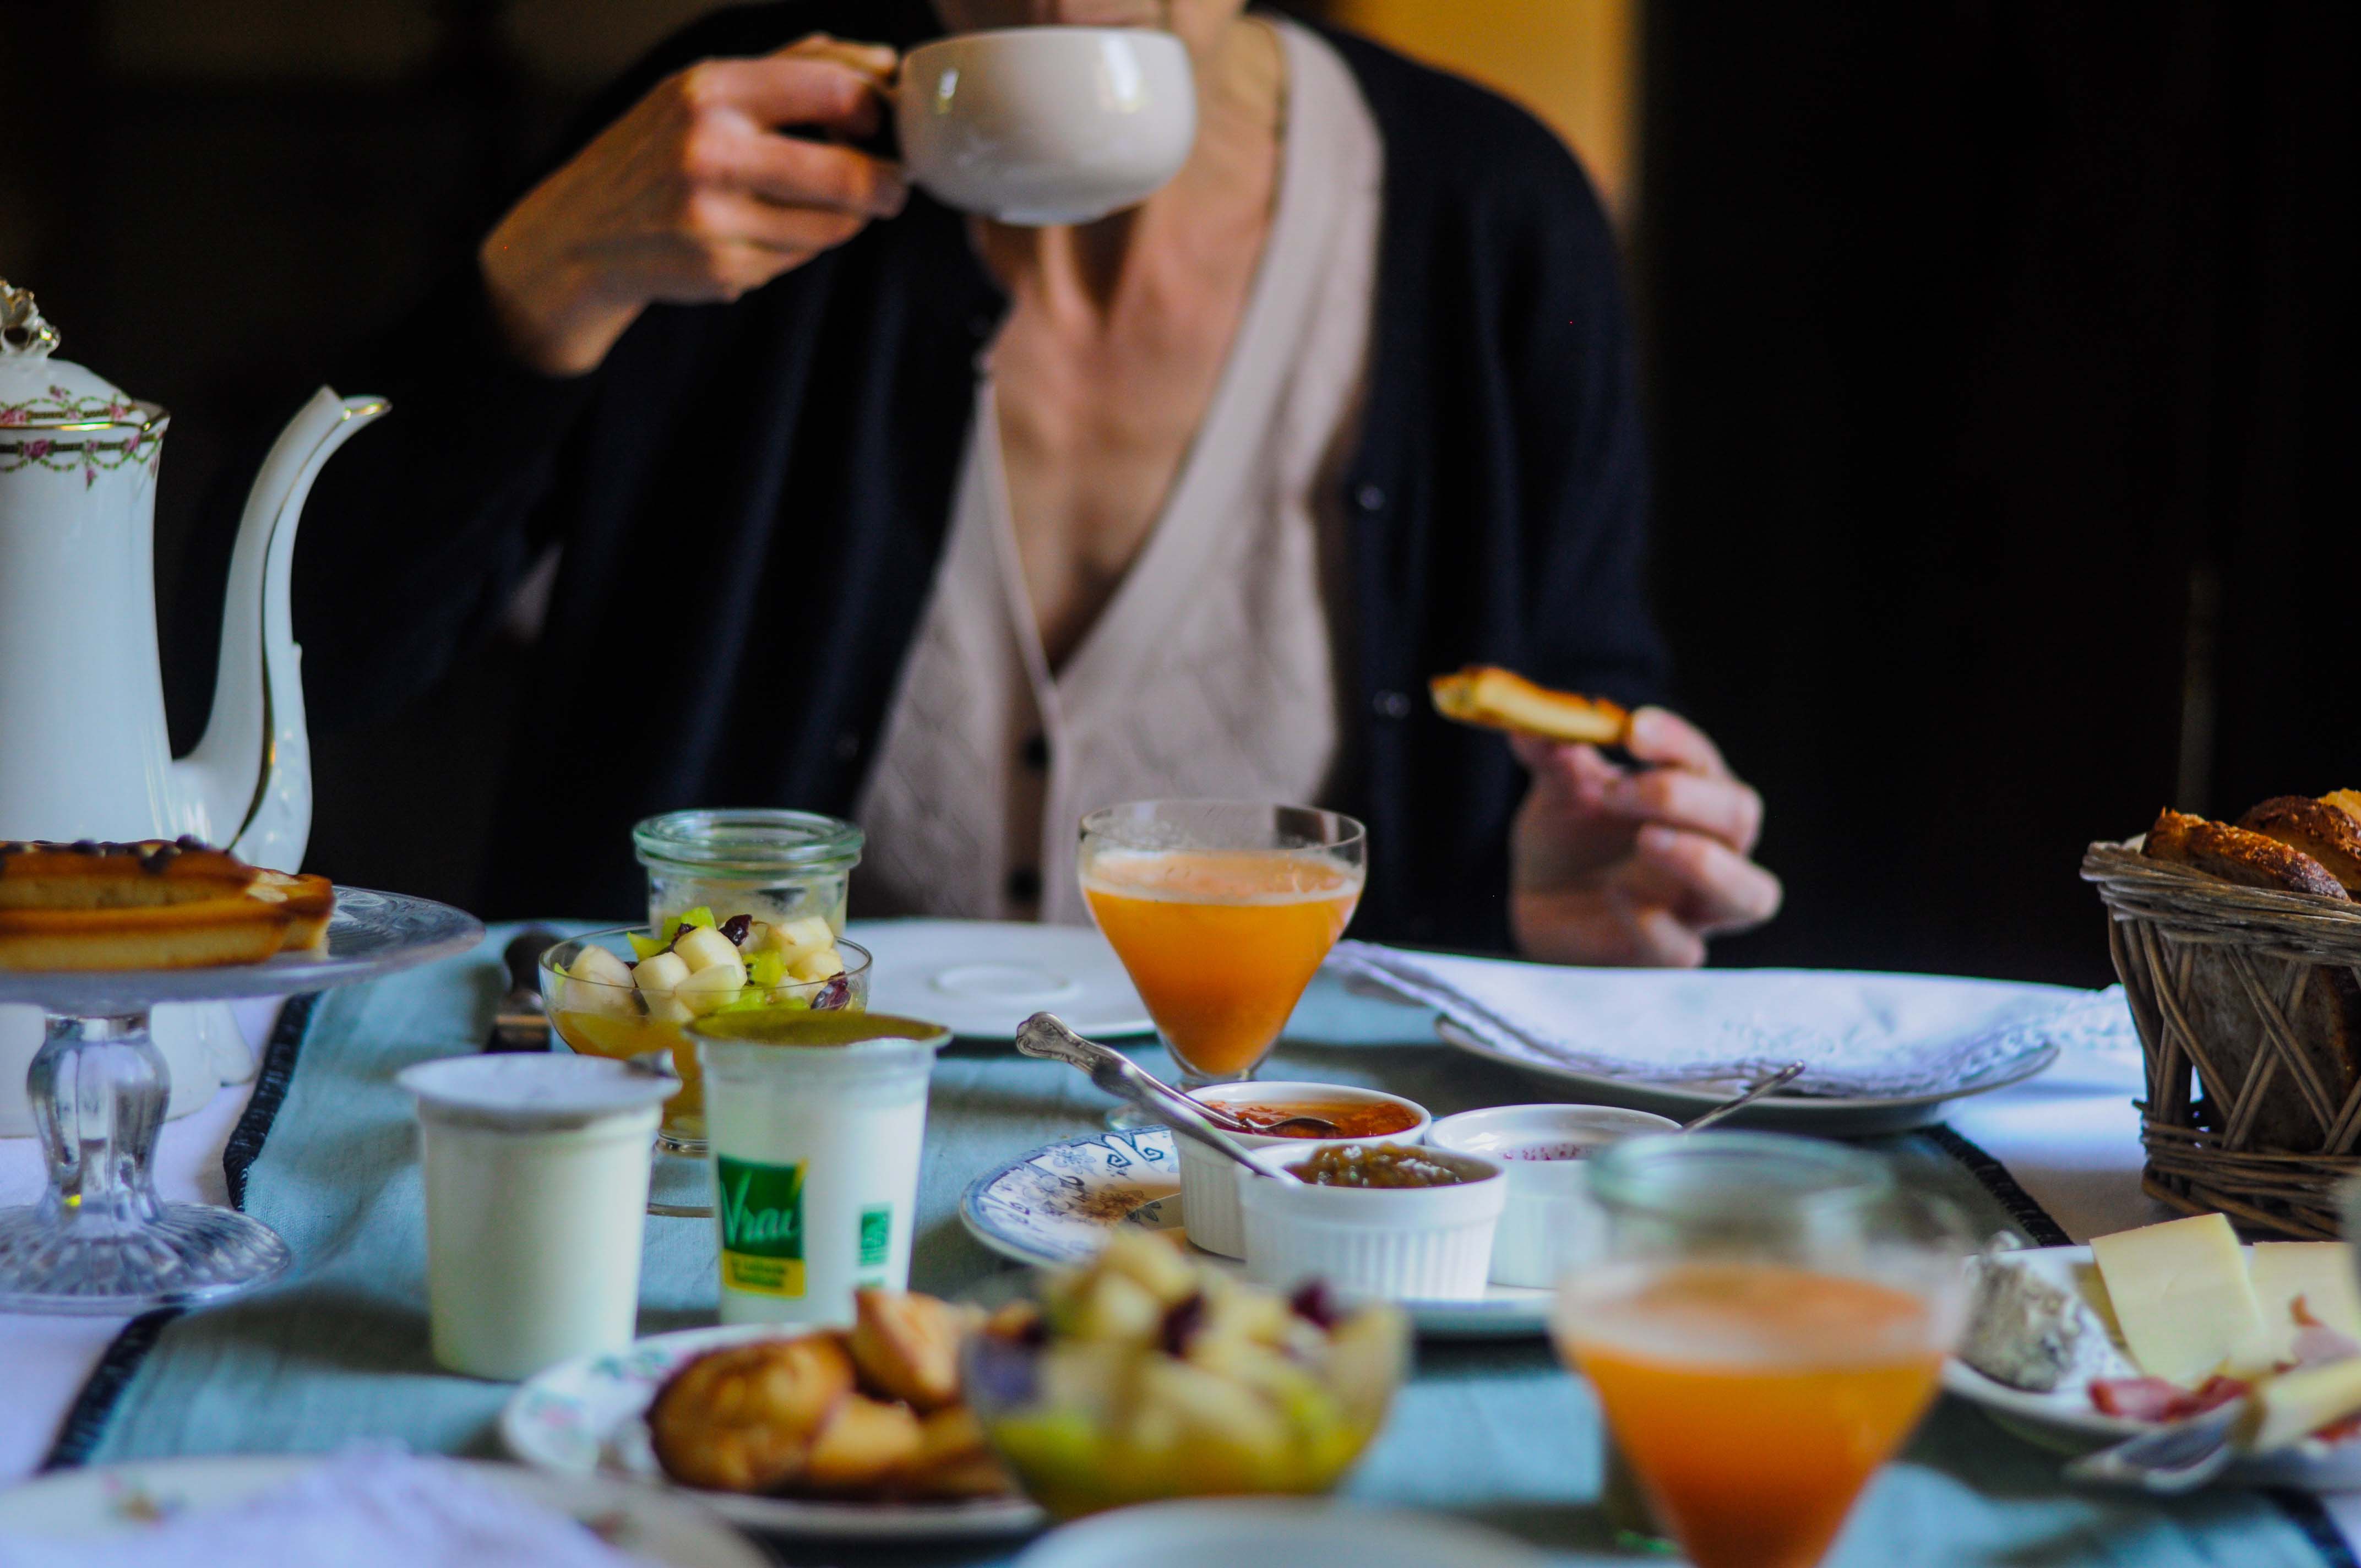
x=187 y=1253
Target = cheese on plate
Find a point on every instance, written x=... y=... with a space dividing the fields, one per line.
x=2318 y=1274
x=2182 y=1299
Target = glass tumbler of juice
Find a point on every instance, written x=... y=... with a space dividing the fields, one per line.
x=1221 y=912
x=1765 y=1327
x=813 y=1132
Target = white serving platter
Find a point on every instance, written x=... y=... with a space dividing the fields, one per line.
x=980 y=978
x=1832 y=1117
x=588 y=1418
x=1056 y=1204
x=2064 y=1422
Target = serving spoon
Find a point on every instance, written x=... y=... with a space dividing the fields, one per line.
x=1786 y=1075
x=1285 y=1127
x=1046 y=1036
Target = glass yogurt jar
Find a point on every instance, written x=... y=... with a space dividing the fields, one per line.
x=773 y=865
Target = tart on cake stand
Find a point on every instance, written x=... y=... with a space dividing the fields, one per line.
x=99 y=1242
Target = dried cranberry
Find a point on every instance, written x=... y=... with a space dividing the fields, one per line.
x=836 y=993
x=1034 y=1332
x=1314 y=1305
x=1181 y=1322
x=738 y=927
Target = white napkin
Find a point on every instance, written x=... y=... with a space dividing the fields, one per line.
x=365 y=1509
x=1862 y=1034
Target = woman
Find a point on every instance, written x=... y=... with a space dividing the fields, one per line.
x=963 y=529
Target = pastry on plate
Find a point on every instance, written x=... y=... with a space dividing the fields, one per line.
x=1502 y=699
x=869 y=1415
x=150 y=904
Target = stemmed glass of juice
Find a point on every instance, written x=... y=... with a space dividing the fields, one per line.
x=1764 y=1324
x=1221 y=912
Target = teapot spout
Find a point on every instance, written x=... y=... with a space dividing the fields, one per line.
x=248 y=785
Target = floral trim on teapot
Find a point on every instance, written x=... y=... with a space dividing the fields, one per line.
x=88 y=457
x=57 y=406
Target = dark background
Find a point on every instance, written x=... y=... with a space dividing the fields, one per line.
x=2000 y=367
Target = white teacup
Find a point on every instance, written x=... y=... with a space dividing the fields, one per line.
x=1046 y=124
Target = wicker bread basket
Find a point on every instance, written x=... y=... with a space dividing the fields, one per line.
x=2249 y=1006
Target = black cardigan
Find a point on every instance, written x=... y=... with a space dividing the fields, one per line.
x=753 y=498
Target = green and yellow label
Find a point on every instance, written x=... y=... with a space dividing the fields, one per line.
x=761 y=1227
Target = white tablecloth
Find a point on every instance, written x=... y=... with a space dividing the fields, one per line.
x=2070 y=1137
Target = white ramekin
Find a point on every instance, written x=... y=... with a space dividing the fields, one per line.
x=1549 y=1223
x=1209 y=1187
x=1399 y=1244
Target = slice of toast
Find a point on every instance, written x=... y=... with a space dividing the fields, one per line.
x=1502 y=699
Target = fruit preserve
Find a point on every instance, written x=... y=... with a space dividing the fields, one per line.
x=1353 y=1118
x=1375 y=1165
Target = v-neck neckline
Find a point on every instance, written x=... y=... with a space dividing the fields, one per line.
x=1189 y=522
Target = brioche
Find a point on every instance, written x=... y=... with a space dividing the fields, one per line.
x=2313 y=828
x=150 y=904
x=1502 y=699
x=742 y=1418
x=2237 y=855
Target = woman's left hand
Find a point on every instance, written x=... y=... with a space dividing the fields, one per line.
x=1609 y=865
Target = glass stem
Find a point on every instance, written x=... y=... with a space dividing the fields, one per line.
x=98 y=1088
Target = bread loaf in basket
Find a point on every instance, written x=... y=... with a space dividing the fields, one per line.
x=2239 y=947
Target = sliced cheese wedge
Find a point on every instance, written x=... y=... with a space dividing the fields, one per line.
x=2181 y=1296
x=2294 y=1404
x=2320 y=1275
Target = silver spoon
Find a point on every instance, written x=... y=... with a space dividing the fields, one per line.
x=1045 y=1035
x=1285 y=1127
x=1754 y=1092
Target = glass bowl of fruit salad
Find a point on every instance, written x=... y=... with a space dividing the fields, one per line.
x=1148 y=1375
x=634 y=989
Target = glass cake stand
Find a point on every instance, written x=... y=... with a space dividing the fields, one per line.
x=98 y=1243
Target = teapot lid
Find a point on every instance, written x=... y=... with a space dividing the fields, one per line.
x=38 y=392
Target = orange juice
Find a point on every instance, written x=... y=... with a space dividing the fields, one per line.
x=1755 y=1400
x=1220 y=943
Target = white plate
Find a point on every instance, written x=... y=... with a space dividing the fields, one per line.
x=980 y=978
x=1830 y=1117
x=1253 y=1533
x=1056 y=1204
x=115 y=1499
x=2064 y=1422
x=586 y=1417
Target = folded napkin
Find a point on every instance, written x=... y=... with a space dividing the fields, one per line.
x=365 y=1509
x=1865 y=1035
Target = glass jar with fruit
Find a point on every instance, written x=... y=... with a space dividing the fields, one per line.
x=775 y=866
x=634 y=989
x=1148 y=1375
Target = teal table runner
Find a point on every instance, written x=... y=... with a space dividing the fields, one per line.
x=1495 y=1432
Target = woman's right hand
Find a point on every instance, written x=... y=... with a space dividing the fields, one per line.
x=692 y=197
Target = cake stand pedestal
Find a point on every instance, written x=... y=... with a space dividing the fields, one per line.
x=99 y=1242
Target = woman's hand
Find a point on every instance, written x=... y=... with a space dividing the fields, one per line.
x=1611 y=866
x=692 y=197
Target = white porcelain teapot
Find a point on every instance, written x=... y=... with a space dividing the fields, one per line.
x=83 y=752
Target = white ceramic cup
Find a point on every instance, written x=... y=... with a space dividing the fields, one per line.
x=1209 y=1183
x=1394 y=1244
x=536 y=1174
x=1551 y=1223
x=1046 y=124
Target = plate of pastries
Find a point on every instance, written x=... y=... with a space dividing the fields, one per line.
x=152 y=904
x=852 y=1434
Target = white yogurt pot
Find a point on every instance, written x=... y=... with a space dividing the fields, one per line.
x=1209 y=1184
x=1397 y=1243
x=1550 y=1221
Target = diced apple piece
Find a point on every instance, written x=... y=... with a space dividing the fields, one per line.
x=712 y=987
x=1149 y=1261
x=816 y=966
x=661 y=975
x=666 y=1009
x=704 y=948
x=598 y=965
x=811 y=931
x=1111 y=1307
